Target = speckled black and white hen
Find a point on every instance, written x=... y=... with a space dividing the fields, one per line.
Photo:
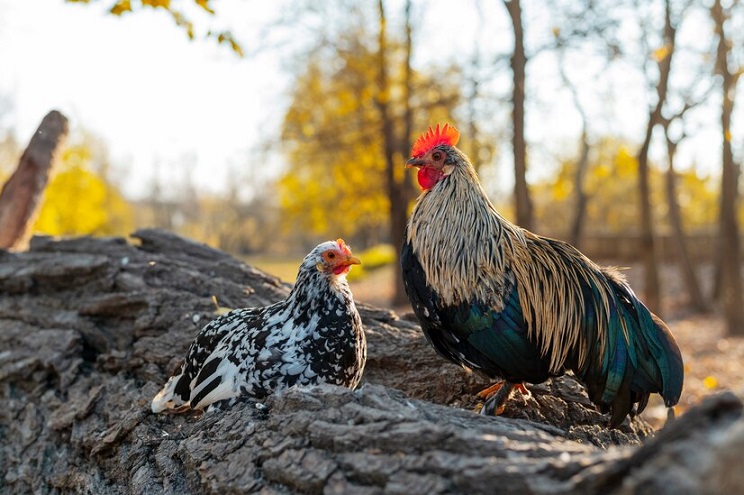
x=314 y=336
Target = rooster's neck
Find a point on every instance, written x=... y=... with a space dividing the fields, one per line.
x=463 y=244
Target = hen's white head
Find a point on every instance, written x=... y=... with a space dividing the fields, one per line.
x=331 y=257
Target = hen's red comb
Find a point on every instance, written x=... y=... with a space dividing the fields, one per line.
x=434 y=137
x=343 y=246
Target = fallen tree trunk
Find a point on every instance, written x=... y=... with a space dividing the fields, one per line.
x=91 y=328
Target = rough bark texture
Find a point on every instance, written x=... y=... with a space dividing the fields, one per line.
x=90 y=329
x=21 y=194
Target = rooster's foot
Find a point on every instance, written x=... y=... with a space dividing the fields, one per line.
x=496 y=396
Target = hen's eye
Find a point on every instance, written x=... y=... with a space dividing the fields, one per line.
x=437 y=156
x=330 y=256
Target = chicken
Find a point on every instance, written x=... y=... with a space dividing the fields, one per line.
x=494 y=297
x=314 y=336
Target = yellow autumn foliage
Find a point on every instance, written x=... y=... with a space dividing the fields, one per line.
x=611 y=185
x=710 y=382
x=180 y=12
x=662 y=52
x=78 y=201
x=335 y=183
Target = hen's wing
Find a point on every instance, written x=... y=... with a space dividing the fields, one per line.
x=203 y=360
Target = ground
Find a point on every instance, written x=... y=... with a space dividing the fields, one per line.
x=713 y=360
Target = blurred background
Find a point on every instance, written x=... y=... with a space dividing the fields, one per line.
x=263 y=128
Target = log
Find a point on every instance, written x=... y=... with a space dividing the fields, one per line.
x=21 y=195
x=91 y=328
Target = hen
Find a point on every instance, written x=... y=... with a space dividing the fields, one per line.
x=494 y=297
x=314 y=336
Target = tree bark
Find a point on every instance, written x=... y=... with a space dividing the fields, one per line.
x=21 y=195
x=91 y=328
x=730 y=265
x=522 y=200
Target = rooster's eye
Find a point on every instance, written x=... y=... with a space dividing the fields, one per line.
x=437 y=156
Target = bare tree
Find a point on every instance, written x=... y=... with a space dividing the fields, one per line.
x=582 y=163
x=522 y=200
x=663 y=56
x=729 y=255
x=691 y=98
x=579 y=26
x=684 y=260
x=399 y=188
x=478 y=71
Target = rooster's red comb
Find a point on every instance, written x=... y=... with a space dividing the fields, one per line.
x=434 y=137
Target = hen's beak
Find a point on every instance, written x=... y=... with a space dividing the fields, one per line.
x=415 y=162
x=351 y=260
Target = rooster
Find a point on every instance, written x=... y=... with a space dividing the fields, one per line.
x=494 y=297
x=314 y=336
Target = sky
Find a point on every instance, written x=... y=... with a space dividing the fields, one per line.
x=157 y=99
x=164 y=105
x=176 y=108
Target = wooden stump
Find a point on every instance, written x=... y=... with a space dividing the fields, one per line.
x=21 y=195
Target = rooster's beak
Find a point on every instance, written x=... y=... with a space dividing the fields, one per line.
x=415 y=162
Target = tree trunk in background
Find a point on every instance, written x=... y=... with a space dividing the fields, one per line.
x=577 y=224
x=580 y=197
x=21 y=195
x=729 y=258
x=473 y=82
x=522 y=200
x=399 y=185
x=686 y=266
x=648 y=246
x=409 y=190
x=409 y=185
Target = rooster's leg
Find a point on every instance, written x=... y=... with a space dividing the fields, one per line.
x=488 y=392
x=496 y=396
